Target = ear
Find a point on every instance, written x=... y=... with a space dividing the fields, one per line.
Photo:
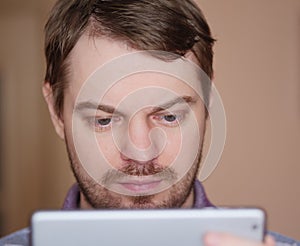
x=56 y=120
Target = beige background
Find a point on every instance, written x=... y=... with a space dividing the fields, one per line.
x=256 y=71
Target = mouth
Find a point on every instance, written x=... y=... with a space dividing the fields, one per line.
x=133 y=185
x=140 y=186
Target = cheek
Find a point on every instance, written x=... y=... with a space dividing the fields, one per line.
x=172 y=148
x=109 y=150
x=184 y=144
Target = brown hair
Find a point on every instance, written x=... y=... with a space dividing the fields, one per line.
x=175 y=26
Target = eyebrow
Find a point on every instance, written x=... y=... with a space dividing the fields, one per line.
x=178 y=100
x=91 y=105
x=111 y=110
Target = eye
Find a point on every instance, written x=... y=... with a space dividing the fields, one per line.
x=103 y=122
x=169 y=119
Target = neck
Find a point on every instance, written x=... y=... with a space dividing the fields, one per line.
x=189 y=202
x=84 y=204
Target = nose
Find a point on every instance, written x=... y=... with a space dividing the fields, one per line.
x=143 y=142
x=138 y=132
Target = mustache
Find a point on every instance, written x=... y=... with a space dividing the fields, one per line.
x=137 y=169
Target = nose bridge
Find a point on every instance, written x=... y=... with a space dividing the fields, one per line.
x=138 y=131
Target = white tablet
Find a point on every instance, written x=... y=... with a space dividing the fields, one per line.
x=143 y=227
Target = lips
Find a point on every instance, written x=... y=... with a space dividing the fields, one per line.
x=140 y=186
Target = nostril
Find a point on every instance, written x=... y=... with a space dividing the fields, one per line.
x=127 y=159
x=124 y=157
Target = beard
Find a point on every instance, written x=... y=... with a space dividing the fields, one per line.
x=100 y=197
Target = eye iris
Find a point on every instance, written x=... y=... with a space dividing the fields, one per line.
x=170 y=118
x=104 y=122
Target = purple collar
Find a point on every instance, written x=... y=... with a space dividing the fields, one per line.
x=73 y=197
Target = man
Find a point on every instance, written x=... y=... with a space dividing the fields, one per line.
x=133 y=133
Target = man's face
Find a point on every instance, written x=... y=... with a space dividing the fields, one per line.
x=141 y=124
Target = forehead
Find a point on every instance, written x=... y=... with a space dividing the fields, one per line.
x=90 y=54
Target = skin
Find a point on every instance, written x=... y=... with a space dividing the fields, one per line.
x=88 y=55
x=221 y=239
